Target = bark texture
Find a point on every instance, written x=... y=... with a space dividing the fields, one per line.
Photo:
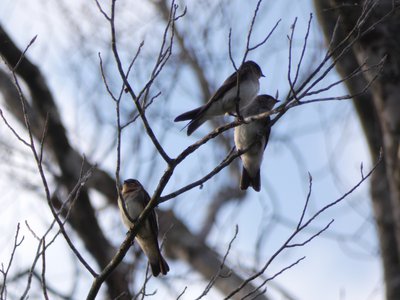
x=378 y=109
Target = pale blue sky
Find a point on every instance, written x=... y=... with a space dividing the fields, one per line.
x=323 y=139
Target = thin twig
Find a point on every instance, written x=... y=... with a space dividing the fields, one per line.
x=307 y=201
x=146 y=124
x=303 y=50
x=43 y=176
x=102 y=11
x=274 y=276
x=287 y=244
x=43 y=275
x=3 y=291
x=266 y=38
x=214 y=278
x=23 y=53
x=13 y=130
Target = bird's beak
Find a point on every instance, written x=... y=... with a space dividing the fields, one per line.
x=262 y=75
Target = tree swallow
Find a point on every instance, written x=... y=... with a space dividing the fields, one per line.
x=136 y=198
x=256 y=132
x=225 y=98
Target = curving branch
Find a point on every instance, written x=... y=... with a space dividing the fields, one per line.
x=82 y=218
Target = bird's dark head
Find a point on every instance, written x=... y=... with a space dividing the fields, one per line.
x=266 y=102
x=253 y=67
x=131 y=185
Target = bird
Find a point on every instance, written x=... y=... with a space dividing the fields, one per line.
x=134 y=200
x=225 y=98
x=256 y=133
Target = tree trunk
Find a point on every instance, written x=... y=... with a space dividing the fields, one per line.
x=378 y=109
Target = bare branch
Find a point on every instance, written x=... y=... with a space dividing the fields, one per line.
x=287 y=244
x=251 y=30
x=23 y=53
x=307 y=201
x=303 y=50
x=214 y=278
x=31 y=271
x=275 y=276
x=3 y=291
x=103 y=75
x=146 y=124
x=102 y=11
x=13 y=130
x=266 y=38
x=44 y=285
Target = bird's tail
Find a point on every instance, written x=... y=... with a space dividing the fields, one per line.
x=189 y=115
x=194 y=124
x=159 y=266
x=247 y=180
x=195 y=119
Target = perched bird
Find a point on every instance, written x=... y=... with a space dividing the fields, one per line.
x=256 y=132
x=224 y=99
x=136 y=198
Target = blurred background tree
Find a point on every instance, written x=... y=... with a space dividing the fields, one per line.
x=65 y=93
x=378 y=111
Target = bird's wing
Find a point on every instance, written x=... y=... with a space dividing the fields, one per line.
x=228 y=84
x=268 y=131
x=152 y=216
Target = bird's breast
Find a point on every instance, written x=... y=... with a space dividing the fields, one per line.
x=246 y=134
